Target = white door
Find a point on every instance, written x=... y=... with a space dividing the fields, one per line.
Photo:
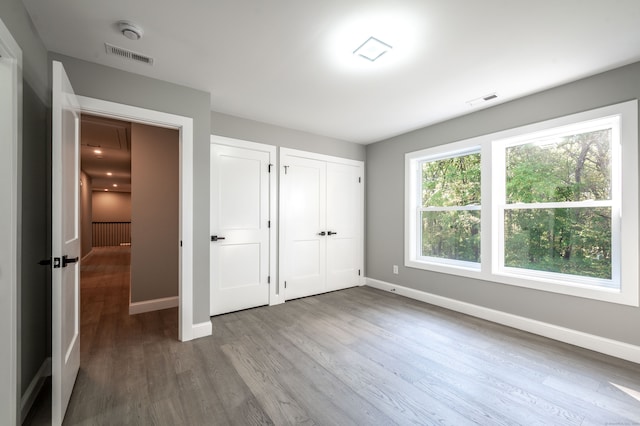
x=344 y=225
x=240 y=221
x=303 y=218
x=65 y=242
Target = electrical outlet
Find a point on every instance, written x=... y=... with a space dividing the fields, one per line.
x=395 y=269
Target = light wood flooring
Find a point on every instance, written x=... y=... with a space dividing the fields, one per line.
x=354 y=357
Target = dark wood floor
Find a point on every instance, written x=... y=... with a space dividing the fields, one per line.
x=354 y=357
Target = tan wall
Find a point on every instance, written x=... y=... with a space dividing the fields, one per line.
x=111 y=206
x=154 y=212
x=85 y=214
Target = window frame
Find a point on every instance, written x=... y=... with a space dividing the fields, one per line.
x=625 y=247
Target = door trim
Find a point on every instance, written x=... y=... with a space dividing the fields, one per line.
x=10 y=223
x=275 y=296
x=187 y=329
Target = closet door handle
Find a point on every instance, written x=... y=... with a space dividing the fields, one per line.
x=332 y=233
x=216 y=238
x=322 y=234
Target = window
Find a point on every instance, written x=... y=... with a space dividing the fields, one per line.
x=551 y=206
x=449 y=214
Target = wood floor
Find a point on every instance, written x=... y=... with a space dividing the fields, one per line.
x=354 y=357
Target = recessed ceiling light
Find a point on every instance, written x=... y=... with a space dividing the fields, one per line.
x=115 y=185
x=106 y=190
x=97 y=151
x=372 y=49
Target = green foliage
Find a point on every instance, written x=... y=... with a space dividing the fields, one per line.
x=447 y=183
x=451 y=182
x=574 y=240
x=569 y=240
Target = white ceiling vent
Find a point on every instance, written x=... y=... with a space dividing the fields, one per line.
x=128 y=54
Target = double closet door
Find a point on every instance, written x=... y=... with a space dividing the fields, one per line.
x=321 y=223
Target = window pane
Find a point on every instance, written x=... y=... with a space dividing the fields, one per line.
x=570 y=168
x=451 y=182
x=574 y=241
x=451 y=235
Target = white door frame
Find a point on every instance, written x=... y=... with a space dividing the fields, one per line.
x=10 y=222
x=275 y=297
x=187 y=330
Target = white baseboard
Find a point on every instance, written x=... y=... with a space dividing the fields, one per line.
x=31 y=393
x=567 y=335
x=202 y=329
x=153 y=305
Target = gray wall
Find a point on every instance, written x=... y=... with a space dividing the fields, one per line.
x=86 y=213
x=240 y=128
x=385 y=208
x=154 y=212
x=111 y=206
x=34 y=335
x=97 y=81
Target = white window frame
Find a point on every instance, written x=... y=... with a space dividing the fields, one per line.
x=625 y=249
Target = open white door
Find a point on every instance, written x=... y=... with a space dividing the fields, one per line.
x=65 y=189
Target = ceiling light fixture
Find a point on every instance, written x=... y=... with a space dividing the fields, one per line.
x=115 y=185
x=372 y=49
x=130 y=30
x=109 y=174
x=97 y=151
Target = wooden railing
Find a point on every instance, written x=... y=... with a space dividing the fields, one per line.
x=111 y=233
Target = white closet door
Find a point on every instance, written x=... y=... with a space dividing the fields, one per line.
x=303 y=217
x=239 y=228
x=344 y=225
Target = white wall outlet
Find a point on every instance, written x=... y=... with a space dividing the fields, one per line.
x=395 y=269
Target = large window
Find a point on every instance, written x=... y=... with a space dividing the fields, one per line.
x=552 y=206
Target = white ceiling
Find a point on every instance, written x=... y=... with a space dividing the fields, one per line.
x=290 y=62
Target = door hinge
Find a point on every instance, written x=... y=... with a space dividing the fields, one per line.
x=269 y=279
x=285 y=284
x=359 y=180
x=358 y=272
x=180 y=243
x=268 y=224
x=269 y=167
x=286 y=169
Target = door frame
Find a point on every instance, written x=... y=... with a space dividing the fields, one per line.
x=187 y=330
x=275 y=296
x=10 y=223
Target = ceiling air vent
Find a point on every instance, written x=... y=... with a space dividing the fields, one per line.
x=128 y=54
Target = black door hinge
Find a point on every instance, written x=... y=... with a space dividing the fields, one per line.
x=359 y=180
x=286 y=169
x=269 y=279
x=269 y=167
x=358 y=272
x=268 y=224
x=285 y=284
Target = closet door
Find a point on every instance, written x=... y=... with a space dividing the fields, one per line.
x=303 y=219
x=321 y=223
x=240 y=246
x=344 y=225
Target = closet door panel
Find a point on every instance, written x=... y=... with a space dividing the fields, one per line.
x=304 y=217
x=344 y=221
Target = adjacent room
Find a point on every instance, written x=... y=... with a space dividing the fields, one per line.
x=334 y=213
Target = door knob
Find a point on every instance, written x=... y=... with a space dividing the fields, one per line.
x=67 y=260
x=216 y=238
x=322 y=234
